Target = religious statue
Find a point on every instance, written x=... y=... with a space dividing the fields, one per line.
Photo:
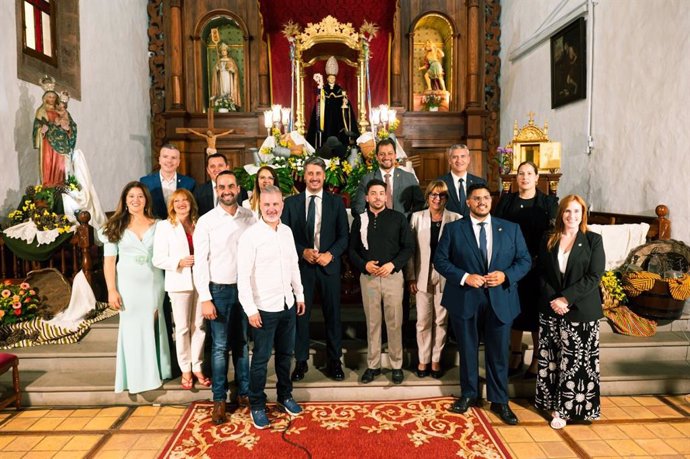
x=54 y=133
x=210 y=138
x=433 y=64
x=226 y=78
x=332 y=114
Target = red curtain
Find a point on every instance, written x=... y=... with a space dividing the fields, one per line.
x=276 y=13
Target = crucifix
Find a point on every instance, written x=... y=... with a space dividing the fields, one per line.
x=211 y=133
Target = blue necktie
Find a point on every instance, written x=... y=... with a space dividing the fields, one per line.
x=311 y=220
x=482 y=244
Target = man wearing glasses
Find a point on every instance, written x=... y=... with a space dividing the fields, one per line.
x=482 y=259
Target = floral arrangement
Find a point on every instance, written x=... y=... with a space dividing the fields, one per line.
x=612 y=285
x=359 y=170
x=17 y=302
x=389 y=129
x=225 y=103
x=38 y=208
x=337 y=172
x=432 y=100
x=504 y=158
x=72 y=184
x=279 y=142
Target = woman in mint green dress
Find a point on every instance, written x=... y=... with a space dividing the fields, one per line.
x=135 y=288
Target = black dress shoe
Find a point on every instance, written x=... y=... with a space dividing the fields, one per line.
x=462 y=404
x=436 y=374
x=505 y=413
x=398 y=376
x=369 y=375
x=334 y=369
x=422 y=373
x=301 y=367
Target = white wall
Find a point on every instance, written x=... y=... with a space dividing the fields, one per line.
x=640 y=95
x=112 y=116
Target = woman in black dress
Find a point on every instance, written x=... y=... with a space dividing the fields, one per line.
x=535 y=212
x=571 y=262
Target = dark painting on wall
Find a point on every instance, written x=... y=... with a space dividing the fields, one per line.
x=568 y=64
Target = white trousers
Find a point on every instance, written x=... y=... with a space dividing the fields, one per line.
x=190 y=333
x=432 y=325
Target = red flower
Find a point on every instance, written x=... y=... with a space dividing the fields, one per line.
x=17 y=312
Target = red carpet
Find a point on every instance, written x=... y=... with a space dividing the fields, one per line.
x=401 y=429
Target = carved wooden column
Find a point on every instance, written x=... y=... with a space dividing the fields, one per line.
x=176 y=80
x=264 y=80
x=474 y=110
x=396 y=47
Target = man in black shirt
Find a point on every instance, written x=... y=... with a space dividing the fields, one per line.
x=381 y=242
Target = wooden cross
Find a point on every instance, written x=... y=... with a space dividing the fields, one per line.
x=210 y=134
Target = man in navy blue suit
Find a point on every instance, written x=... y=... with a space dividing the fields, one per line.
x=163 y=183
x=319 y=225
x=458 y=179
x=482 y=259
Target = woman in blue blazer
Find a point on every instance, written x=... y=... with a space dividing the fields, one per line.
x=572 y=263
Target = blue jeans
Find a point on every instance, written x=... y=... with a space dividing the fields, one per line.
x=277 y=328
x=230 y=322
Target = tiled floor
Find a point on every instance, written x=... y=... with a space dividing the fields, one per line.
x=630 y=427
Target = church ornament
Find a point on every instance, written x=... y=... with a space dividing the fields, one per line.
x=530 y=143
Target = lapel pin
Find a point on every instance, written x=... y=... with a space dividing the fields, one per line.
x=500 y=229
x=580 y=244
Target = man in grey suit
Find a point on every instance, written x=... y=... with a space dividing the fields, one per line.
x=402 y=188
x=458 y=179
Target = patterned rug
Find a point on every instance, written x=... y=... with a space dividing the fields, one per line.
x=422 y=428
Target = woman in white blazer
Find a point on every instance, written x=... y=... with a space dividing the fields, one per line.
x=173 y=252
x=427 y=284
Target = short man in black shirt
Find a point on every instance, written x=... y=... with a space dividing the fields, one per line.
x=381 y=242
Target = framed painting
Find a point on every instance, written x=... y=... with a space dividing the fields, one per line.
x=569 y=64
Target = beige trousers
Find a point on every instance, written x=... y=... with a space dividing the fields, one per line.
x=189 y=329
x=432 y=325
x=390 y=290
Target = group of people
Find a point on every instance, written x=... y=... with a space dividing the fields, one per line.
x=251 y=268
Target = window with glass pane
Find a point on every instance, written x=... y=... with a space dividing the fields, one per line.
x=39 y=28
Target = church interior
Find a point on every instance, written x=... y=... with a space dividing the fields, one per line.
x=590 y=91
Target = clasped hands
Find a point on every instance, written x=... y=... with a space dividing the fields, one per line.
x=493 y=279
x=374 y=269
x=314 y=257
x=560 y=305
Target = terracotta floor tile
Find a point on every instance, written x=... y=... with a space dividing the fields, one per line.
x=656 y=447
x=172 y=411
x=649 y=401
x=52 y=443
x=164 y=422
x=113 y=411
x=554 y=449
x=39 y=455
x=32 y=414
x=118 y=454
x=607 y=402
x=682 y=445
x=636 y=431
x=58 y=413
x=597 y=448
x=146 y=411
x=19 y=424
x=614 y=413
x=609 y=432
x=664 y=430
x=12 y=454
x=70 y=454
x=136 y=423
x=514 y=434
x=578 y=432
x=81 y=443
x=6 y=440
x=639 y=412
x=100 y=423
x=24 y=442
x=86 y=412
x=46 y=424
x=529 y=416
x=120 y=442
x=627 y=447
x=543 y=433
x=73 y=424
x=665 y=411
x=142 y=454
x=151 y=441
x=625 y=401
x=682 y=427
x=527 y=450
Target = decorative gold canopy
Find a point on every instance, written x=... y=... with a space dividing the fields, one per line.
x=530 y=143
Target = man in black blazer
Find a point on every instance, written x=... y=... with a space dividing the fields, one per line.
x=319 y=225
x=163 y=183
x=205 y=195
x=458 y=179
x=482 y=259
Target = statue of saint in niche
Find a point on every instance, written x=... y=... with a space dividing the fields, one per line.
x=433 y=66
x=226 y=78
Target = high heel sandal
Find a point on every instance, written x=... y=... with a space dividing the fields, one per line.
x=203 y=380
x=557 y=422
x=517 y=370
x=187 y=383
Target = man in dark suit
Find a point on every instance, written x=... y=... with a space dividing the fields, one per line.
x=482 y=259
x=205 y=195
x=402 y=188
x=319 y=225
x=163 y=183
x=458 y=179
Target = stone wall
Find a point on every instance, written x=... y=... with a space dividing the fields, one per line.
x=640 y=119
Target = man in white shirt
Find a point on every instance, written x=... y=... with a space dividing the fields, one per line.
x=269 y=284
x=215 y=277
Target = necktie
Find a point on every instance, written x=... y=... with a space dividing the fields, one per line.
x=311 y=220
x=461 y=194
x=389 y=192
x=482 y=244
